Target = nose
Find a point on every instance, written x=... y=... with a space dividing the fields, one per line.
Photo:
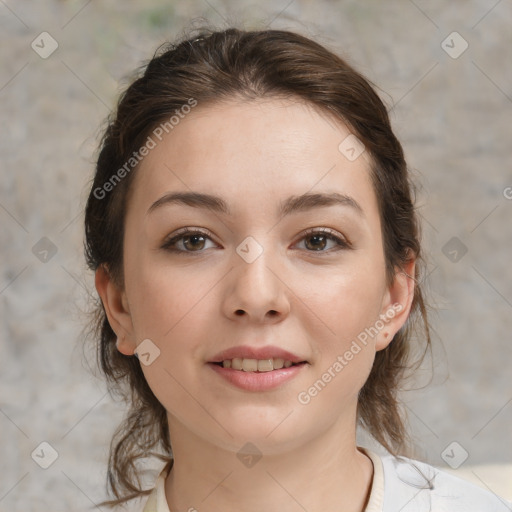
x=257 y=291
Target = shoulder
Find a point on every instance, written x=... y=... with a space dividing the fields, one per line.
x=156 y=501
x=412 y=485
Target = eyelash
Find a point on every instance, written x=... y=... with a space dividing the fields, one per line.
x=342 y=243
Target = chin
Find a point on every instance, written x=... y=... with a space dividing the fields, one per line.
x=271 y=434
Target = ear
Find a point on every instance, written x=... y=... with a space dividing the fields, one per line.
x=117 y=310
x=396 y=305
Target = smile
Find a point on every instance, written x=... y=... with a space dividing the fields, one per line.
x=256 y=365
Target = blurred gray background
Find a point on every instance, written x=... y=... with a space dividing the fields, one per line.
x=443 y=68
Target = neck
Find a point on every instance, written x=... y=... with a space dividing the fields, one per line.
x=328 y=473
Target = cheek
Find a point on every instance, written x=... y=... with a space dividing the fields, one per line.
x=173 y=307
x=347 y=299
x=168 y=307
x=339 y=311
x=163 y=298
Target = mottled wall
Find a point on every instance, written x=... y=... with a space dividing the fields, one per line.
x=451 y=107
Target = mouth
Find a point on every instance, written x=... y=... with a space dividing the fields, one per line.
x=257 y=365
x=252 y=359
x=257 y=369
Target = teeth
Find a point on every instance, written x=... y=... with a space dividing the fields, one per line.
x=278 y=364
x=236 y=363
x=249 y=365
x=256 y=365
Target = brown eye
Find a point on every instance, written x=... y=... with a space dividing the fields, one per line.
x=193 y=242
x=187 y=241
x=316 y=240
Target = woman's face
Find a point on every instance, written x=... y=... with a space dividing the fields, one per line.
x=249 y=285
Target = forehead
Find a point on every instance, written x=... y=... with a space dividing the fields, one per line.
x=254 y=152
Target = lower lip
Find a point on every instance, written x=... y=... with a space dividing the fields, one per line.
x=258 y=381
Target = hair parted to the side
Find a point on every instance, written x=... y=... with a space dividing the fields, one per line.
x=209 y=66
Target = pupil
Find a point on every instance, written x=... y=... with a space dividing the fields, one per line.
x=317 y=237
x=195 y=238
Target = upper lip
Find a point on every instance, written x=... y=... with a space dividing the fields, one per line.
x=247 y=352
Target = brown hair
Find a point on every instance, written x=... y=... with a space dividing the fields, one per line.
x=210 y=66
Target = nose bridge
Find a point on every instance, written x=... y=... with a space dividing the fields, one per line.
x=257 y=289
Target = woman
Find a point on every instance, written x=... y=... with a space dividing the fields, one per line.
x=257 y=256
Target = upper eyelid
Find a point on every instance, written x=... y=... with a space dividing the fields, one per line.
x=326 y=231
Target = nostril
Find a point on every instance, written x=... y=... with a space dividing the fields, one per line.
x=239 y=312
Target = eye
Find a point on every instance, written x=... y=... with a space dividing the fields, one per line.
x=187 y=240
x=317 y=239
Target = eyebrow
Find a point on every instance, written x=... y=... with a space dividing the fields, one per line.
x=294 y=204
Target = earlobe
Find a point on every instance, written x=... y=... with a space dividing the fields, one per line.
x=117 y=310
x=397 y=304
x=124 y=347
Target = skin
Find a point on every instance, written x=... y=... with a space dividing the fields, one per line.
x=254 y=155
